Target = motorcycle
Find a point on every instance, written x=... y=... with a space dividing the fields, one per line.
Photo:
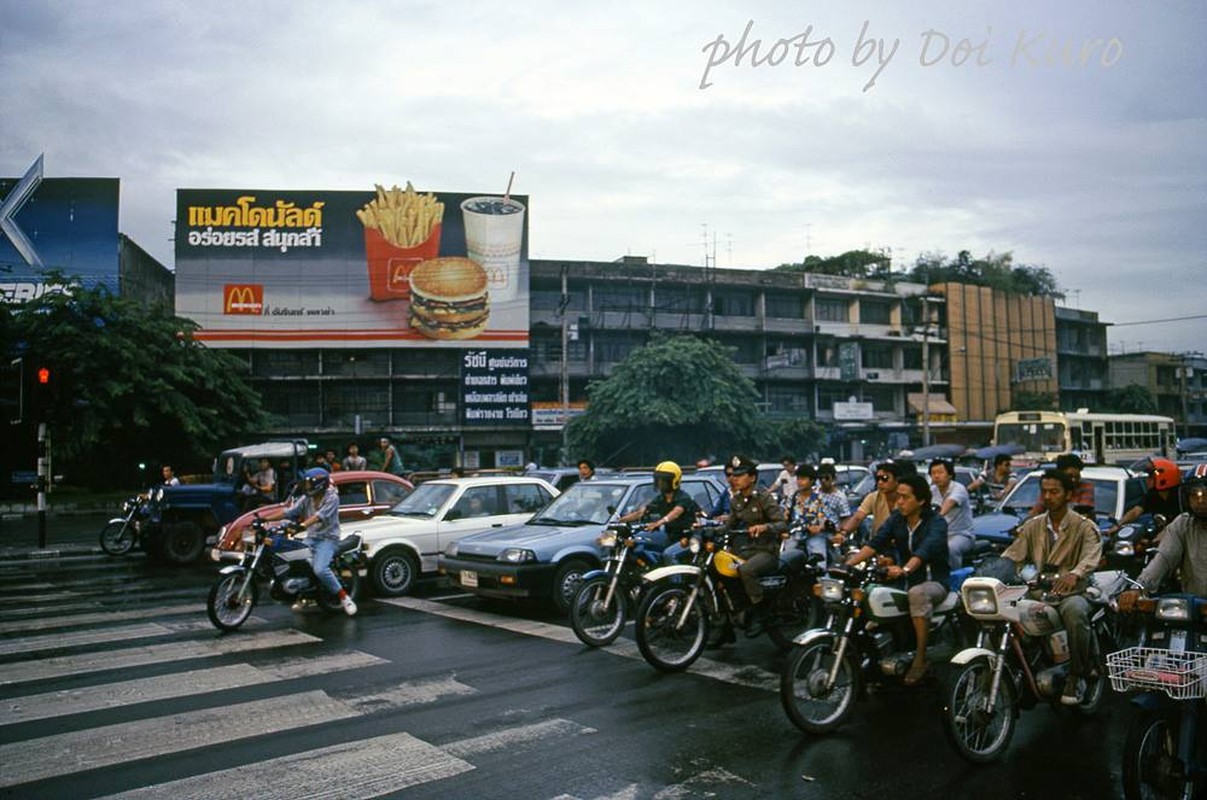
x=868 y=638
x=607 y=597
x=1132 y=546
x=1020 y=658
x=1163 y=755
x=687 y=606
x=273 y=556
x=120 y=534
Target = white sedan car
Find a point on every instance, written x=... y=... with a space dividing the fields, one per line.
x=403 y=543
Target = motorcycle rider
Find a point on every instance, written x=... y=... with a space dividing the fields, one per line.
x=916 y=537
x=999 y=480
x=672 y=509
x=1082 y=499
x=1162 y=496
x=756 y=512
x=317 y=512
x=955 y=506
x=1066 y=540
x=1183 y=545
x=838 y=508
x=878 y=504
x=810 y=507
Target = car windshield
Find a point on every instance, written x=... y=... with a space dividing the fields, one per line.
x=583 y=503
x=425 y=501
x=1026 y=495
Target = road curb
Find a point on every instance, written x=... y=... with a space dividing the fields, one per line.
x=49 y=553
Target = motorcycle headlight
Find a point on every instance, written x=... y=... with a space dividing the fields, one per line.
x=607 y=539
x=1176 y=609
x=1125 y=548
x=693 y=546
x=249 y=536
x=831 y=589
x=980 y=600
x=1126 y=532
x=516 y=555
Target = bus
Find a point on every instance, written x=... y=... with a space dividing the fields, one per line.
x=1096 y=438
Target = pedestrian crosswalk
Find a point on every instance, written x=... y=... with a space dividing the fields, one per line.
x=87 y=686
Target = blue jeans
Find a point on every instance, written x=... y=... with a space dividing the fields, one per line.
x=321 y=553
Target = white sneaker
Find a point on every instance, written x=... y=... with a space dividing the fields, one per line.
x=349 y=606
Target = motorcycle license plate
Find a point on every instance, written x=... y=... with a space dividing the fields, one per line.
x=469 y=578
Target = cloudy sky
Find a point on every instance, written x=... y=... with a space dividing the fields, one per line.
x=1071 y=134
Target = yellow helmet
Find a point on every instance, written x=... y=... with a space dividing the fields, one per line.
x=667 y=469
x=726 y=563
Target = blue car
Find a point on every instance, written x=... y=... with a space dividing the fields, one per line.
x=545 y=557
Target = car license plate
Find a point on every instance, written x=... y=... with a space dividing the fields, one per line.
x=469 y=578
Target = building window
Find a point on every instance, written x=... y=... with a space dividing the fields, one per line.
x=785 y=305
x=877 y=357
x=911 y=357
x=788 y=400
x=620 y=298
x=343 y=402
x=356 y=363
x=286 y=363
x=873 y=312
x=296 y=403
x=733 y=303
x=679 y=299
x=551 y=299
x=829 y=310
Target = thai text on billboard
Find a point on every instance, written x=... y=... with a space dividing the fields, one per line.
x=494 y=388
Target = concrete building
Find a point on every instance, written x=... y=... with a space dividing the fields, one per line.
x=1178 y=382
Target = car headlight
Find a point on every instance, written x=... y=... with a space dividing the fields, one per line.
x=1125 y=548
x=980 y=600
x=1173 y=608
x=516 y=555
x=831 y=589
x=607 y=539
x=451 y=550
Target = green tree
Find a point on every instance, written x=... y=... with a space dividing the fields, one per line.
x=851 y=264
x=677 y=397
x=129 y=385
x=1130 y=399
x=1035 y=401
x=996 y=270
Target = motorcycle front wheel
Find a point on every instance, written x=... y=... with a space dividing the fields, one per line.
x=596 y=619
x=117 y=538
x=804 y=695
x=1151 y=768
x=977 y=734
x=225 y=609
x=664 y=642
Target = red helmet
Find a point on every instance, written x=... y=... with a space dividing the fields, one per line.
x=1163 y=474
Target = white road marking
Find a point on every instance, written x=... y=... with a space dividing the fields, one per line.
x=513 y=737
x=67 y=753
x=55 y=641
x=166 y=687
x=49 y=668
x=749 y=676
x=49 y=623
x=356 y=770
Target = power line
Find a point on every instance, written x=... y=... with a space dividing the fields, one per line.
x=1156 y=321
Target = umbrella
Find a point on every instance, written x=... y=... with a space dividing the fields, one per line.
x=992 y=452
x=934 y=451
x=1192 y=444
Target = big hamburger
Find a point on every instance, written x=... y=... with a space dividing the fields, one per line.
x=449 y=299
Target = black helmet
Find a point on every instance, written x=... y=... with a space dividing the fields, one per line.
x=1195 y=487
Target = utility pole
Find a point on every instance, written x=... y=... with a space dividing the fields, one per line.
x=925 y=373
x=565 y=302
x=1184 y=373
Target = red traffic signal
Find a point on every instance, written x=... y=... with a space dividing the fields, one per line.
x=44 y=375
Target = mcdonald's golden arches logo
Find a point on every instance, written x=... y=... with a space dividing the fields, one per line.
x=243 y=298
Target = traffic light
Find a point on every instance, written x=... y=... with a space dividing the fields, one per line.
x=43 y=376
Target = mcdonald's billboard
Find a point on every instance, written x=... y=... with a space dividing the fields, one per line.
x=396 y=267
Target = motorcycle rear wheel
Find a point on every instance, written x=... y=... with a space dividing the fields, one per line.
x=223 y=607
x=978 y=736
x=665 y=646
x=803 y=693
x=597 y=623
x=349 y=581
x=792 y=615
x=117 y=538
x=1150 y=759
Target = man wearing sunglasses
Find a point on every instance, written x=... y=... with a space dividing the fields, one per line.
x=877 y=505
